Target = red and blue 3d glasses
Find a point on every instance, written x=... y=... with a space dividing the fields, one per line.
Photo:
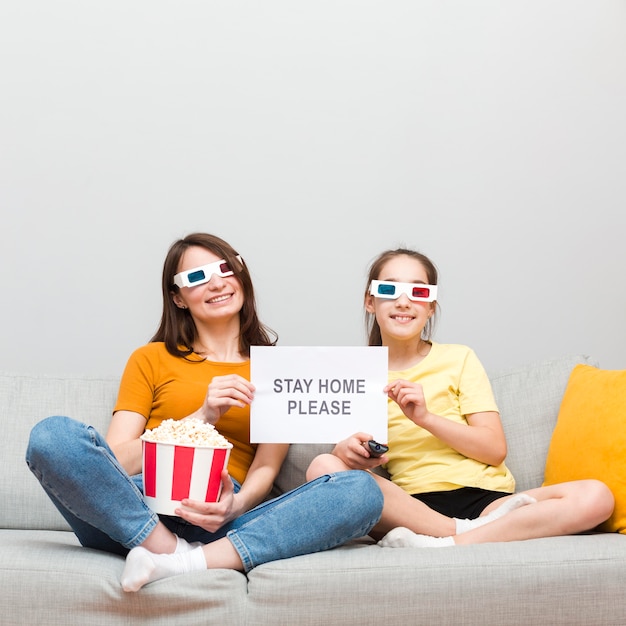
x=203 y=274
x=418 y=292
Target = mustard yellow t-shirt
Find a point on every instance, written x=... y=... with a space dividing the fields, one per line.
x=455 y=385
x=160 y=386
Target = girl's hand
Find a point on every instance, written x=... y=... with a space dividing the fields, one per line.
x=410 y=398
x=212 y=515
x=223 y=393
x=355 y=454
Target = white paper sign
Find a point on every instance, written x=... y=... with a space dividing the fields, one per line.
x=317 y=394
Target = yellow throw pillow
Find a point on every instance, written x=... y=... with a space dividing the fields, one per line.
x=589 y=439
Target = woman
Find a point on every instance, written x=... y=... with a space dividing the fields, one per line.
x=196 y=366
x=449 y=484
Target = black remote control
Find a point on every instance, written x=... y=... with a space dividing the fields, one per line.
x=375 y=448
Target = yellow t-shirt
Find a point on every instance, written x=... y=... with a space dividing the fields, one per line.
x=160 y=386
x=455 y=384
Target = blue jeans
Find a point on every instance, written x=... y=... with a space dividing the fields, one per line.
x=106 y=510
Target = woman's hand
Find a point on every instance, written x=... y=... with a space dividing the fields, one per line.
x=255 y=488
x=212 y=515
x=223 y=393
x=355 y=454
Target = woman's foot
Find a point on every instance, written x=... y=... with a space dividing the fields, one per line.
x=143 y=567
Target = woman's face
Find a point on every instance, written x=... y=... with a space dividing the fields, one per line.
x=401 y=319
x=220 y=297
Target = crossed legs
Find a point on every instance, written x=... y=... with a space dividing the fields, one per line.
x=561 y=509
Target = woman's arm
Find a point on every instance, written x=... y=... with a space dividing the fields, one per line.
x=267 y=462
x=126 y=427
x=482 y=438
x=123 y=436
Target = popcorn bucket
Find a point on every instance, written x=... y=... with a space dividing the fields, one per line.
x=172 y=472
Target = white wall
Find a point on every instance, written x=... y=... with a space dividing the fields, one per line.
x=312 y=135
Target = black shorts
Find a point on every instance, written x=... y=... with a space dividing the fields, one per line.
x=466 y=502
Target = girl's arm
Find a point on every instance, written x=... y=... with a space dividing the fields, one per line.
x=482 y=438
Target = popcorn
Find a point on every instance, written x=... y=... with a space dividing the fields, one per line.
x=182 y=459
x=187 y=432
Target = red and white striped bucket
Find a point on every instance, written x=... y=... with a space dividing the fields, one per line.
x=173 y=472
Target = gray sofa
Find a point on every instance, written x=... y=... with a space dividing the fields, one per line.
x=47 y=578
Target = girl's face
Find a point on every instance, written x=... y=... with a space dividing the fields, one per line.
x=219 y=298
x=401 y=319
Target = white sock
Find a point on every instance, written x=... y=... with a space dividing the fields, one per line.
x=518 y=500
x=182 y=545
x=144 y=567
x=404 y=538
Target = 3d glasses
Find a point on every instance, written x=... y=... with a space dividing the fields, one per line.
x=417 y=292
x=202 y=274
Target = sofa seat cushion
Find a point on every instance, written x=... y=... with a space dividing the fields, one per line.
x=560 y=580
x=48 y=578
x=589 y=439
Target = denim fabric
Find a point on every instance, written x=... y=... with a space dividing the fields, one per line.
x=319 y=515
x=105 y=507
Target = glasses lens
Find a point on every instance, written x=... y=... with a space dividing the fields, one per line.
x=421 y=292
x=195 y=277
x=225 y=269
x=386 y=290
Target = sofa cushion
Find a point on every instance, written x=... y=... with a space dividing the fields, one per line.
x=47 y=578
x=292 y=472
x=24 y=401
x=529 y=398
x=590 y=436
x=560 y=580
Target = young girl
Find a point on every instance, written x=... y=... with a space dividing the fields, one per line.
x=197 y=365
x=449 y=484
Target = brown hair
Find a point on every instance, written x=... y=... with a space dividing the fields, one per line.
x=371 y=325
x=177 y=328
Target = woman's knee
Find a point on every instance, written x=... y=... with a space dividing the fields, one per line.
x=47 y=437
x=368 y=492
